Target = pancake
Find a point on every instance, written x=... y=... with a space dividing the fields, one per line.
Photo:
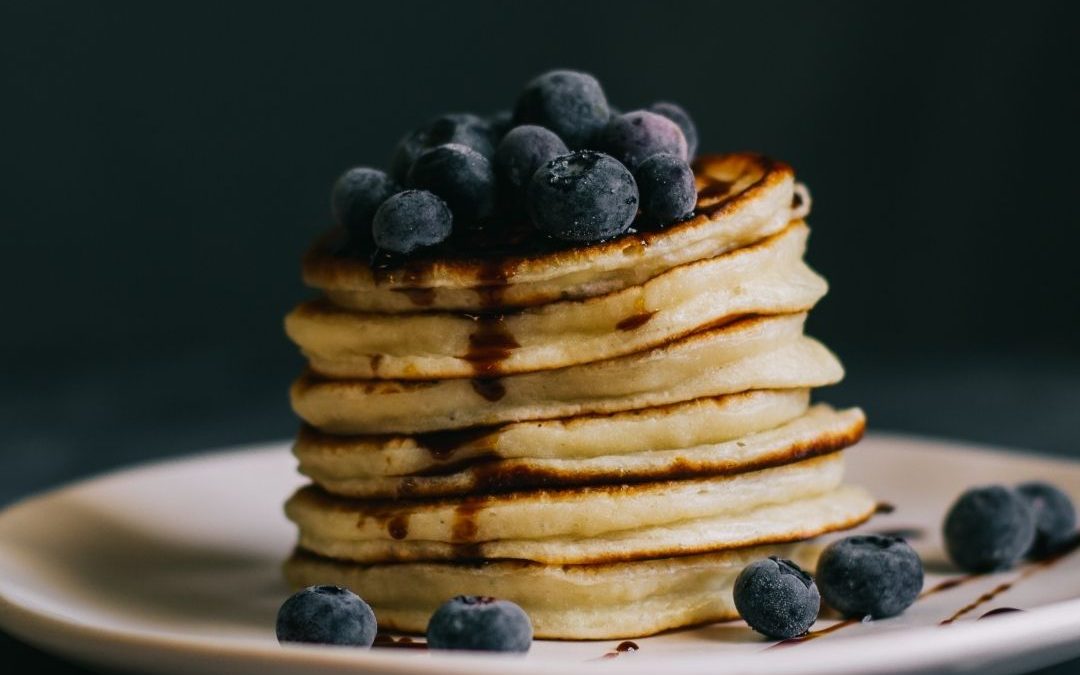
x=768 y=277
x=820 y=431
x=742 y=198
x=688 y=424
x=569 y=602
x=587 y=524
x=755 y=353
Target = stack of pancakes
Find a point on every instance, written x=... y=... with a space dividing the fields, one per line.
x=604 y=434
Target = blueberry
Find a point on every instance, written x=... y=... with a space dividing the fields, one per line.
x=777 y=598
x=499 y=124
x=679 y=116
x=1055 y=517
x=462 y=128
x=461 y=176
x=327 y=615
x=570 y=103
x=635 y=136
x=357 y=194
x=989 y=528
x=582 y=196
x=870 y=575
x=667 y=187
x=410 y=220
x=480 y=624
x=521 y=152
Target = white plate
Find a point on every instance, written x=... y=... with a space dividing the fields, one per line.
x=175 y=568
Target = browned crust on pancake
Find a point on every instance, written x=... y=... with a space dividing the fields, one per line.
x=314 y=437
x=324 y=268
x=496 y=476
x=384 y=510
x=472 y=554
x=322 y=306
x=310 y=379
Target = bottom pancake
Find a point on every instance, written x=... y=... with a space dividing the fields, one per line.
x=565 y=602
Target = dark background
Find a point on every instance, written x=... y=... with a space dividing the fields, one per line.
x=163 y=167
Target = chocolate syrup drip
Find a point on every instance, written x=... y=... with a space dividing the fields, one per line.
x=464 y=528
x=953 y=582
x=387 y=641
x=948 y=584
x=489 y=345
x=442 y=445
x=1033 y=568
x=635 y=321
x=398 y=527
x=999 y=611
x=813 y=635
x=489 y=389
x=714 y=189
x=375 y=360
x=626 y=647
x=981 y=600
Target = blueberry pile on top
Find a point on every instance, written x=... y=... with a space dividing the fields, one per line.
x=578 y=170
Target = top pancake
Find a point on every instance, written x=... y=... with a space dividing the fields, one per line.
x=742 y=198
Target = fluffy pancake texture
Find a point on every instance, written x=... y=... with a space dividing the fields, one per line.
x=768 y=277
x=592 y=525
x=757 y=353
x=605 y=434
x=688 y=424
x=819 y=431
x=566 y=602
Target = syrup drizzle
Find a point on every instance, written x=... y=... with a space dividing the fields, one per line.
x=1032 y=569
x=464 y=528
x=953 y=582
x=489 y=345
x=626 y=647
x=813 y=635
x=442 y=445
x=999 y=611
x=387 y=641
x=398 y=527
x=635 y=321
x=489 y=389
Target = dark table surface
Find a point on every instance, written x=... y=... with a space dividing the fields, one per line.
x=60 y=428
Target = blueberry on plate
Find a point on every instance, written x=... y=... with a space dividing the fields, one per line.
x=570 y=103
x=461 y=128
x=989 y=528
x=328 y=615
x=870 y=575
x=480 y=623
x=1055 y=517
x=357 y=194
x=461 y=176
x=777 y=598
x=635 y=136
x=522 y=151
x=582 y=196
x=666 y=184
x=411 y=220
x=679 y=116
